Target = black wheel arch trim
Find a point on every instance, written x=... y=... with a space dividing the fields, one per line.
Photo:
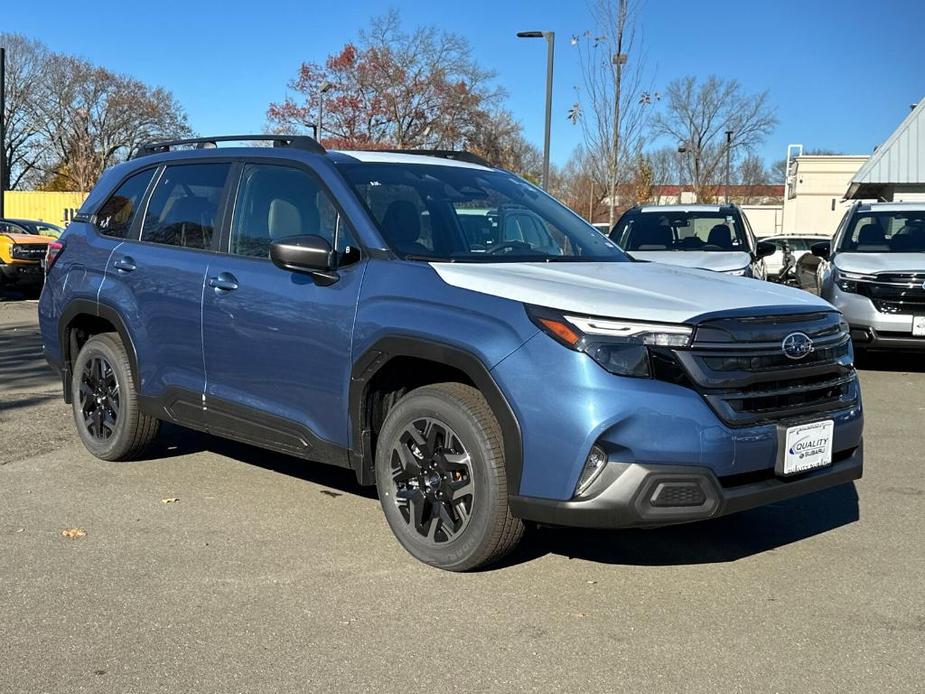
x=387 y=348
x=78 y=307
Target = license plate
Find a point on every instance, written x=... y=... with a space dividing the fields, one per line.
x=918 y=326
x=806 y=447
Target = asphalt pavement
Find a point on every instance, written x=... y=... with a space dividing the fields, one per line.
x=217 y=567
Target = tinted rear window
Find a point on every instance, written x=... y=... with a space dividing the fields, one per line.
x=184 y=205
x=115 y=217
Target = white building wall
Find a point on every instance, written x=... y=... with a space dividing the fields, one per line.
x=764 y=219
x=816 y=186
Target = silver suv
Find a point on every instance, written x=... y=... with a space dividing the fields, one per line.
x=873 y=271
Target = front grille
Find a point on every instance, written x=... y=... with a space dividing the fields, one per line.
x=896 y=292
x=31 y=251
x=739 y=366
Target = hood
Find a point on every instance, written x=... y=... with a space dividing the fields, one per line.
x=641 y=291
x=718 y=261
x=870 y=263
x=28 y=238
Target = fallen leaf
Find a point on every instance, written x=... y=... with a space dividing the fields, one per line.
x=73 y=533
x=333 y=495
x=170 y=500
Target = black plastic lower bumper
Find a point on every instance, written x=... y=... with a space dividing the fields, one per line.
x=637 y=495
x=22 y=273
x=870 y=339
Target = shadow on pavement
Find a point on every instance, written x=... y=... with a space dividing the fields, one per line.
x=174 y=440
x=23 y=368
x=722 y=540
x=890 y=361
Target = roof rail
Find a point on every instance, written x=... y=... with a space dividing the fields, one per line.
x=455 y=155
x=305 y=142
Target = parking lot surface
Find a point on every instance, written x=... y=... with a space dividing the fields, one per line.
x=213 y=566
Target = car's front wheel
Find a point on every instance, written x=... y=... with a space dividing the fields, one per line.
x=105 y=401
x=441 y=478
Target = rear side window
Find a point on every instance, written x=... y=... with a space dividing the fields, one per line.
x=10 y=228
x=115 y=217
x=184 y=205
x=275 y=202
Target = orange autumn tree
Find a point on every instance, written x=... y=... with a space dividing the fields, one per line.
x=395 y=89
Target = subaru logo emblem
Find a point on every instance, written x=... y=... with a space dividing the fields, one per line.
x=797 y=345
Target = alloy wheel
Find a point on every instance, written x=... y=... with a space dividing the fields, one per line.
x=99 y=398
x=432 y=480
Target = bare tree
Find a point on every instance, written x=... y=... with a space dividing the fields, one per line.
x=698 y=115
x=499 y=138
x=612 y=106
x=664 y=164
x=92 y=118
x=778 y=171
x=25 y=66
x=575 y=185
x=752 y=175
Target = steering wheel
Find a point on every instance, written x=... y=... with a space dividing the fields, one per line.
x=511 y=246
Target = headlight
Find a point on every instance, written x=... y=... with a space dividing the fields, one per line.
x=741 y=272
x=621 y=347
x=848 y=281
x=663 y=334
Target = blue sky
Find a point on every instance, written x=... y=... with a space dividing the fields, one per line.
x=840 y=74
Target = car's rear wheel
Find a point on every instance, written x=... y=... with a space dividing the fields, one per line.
x=105 y=401
x=441 y=478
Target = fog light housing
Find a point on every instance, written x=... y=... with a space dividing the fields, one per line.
x=594 y=465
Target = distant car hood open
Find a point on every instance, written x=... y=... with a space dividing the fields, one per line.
x=641 y=291
x=871 y=263
x=718 y=261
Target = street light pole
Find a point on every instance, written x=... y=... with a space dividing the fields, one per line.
x=2 y=128
x=322 y=90
x=728 y=151
x=550 y=37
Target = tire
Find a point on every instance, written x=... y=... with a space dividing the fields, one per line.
x=105 y=401
x=441 y=478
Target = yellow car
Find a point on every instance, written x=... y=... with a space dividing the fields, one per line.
x=21 y=254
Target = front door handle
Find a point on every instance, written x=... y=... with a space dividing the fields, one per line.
x=225 y=282
x=125 y=264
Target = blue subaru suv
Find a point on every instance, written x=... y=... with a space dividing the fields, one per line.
x=447 y=331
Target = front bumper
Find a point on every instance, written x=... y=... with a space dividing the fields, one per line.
x=628 y=495
x=865 y=337
x=871 y=329
x=22 y=273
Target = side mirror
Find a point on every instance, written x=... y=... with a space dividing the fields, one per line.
x=310 y=254
x=823 y=249
x=764 y=249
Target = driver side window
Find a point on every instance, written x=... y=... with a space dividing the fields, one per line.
x=276 y=202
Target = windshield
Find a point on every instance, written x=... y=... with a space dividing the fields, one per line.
x=454 y=213
x=46 y=229
x=682 y=230
x=885 y=232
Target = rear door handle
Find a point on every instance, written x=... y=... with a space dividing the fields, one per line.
x=125 y=264
x=224 y=281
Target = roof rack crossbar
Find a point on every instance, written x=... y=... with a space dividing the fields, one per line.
x=305 y=142
x=455 y=155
